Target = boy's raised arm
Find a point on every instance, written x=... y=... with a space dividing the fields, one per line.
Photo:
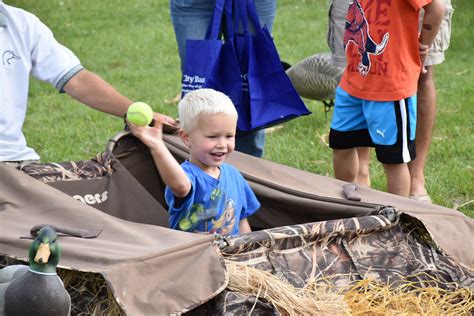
x=170 y=170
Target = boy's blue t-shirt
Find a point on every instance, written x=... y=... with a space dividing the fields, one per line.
x=212 y=205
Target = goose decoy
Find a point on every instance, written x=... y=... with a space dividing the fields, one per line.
x=316 y=77
x=37 y=289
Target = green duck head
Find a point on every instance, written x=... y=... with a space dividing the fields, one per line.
x=45 y=251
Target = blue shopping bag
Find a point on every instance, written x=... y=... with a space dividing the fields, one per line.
x=211 y=62
x=268 y=96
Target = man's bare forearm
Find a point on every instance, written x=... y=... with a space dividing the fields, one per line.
x=90 y=89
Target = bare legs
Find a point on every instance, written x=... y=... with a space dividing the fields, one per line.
x=398 y=178
x=346 y=164
x=346 y=168
x=363 y=176
x=426 y=113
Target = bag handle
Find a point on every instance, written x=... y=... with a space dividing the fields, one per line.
x=214 y=28
x=222 y=11
x=246 y=11
x=229 y=29
x=252 y=12
x=65 y=231
x=240 y=11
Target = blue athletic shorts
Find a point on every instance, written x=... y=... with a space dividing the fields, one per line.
x=389 y=126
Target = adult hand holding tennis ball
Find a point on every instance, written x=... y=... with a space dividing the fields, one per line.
x=140 y=114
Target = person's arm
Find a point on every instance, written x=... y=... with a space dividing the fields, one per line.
x=244 y=226
x=90 y=89
x=434 y=12
x=170 y=170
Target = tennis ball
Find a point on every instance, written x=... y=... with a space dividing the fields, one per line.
x=140 y=114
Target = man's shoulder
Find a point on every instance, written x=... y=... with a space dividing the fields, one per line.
x=20 y=15
x=22 y=20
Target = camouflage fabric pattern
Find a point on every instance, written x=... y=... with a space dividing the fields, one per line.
x=346 y=250
x=340 y=252
x=231 y=303
x=69 y=171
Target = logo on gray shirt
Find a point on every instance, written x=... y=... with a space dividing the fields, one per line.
x=8 y=56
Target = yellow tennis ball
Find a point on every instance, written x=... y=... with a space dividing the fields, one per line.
x=140 y=114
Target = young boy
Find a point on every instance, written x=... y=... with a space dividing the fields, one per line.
x=376 y=99
x=204 y=194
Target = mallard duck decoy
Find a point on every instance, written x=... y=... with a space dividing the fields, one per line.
x=316 y=77
x=37 y=289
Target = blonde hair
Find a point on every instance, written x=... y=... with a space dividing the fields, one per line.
x=202 y=101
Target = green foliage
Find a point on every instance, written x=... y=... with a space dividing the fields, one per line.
x=131 y=44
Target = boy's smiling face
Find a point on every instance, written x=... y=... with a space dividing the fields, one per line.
x=211 y=141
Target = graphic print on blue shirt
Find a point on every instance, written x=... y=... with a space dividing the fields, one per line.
x=213 y=205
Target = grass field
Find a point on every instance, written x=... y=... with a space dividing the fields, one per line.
x=131 y=44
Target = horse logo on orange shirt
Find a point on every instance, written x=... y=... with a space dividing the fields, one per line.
x=357 y=32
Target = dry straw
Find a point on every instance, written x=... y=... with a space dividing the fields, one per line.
x=287 y=299
x=90 y=294
x=365 y=297
x=368 y=297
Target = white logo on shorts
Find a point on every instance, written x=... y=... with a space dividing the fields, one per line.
x=381 y=133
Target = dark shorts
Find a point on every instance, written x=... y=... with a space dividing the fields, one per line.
x=389 y=126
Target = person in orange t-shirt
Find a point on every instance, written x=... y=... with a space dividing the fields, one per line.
x=375 y=102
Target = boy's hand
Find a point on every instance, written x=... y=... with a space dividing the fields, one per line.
x=423 y=50
x=152 y=136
